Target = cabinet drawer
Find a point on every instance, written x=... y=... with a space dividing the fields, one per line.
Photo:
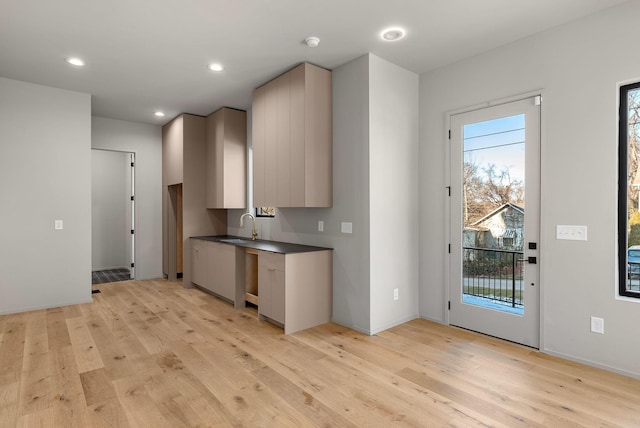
x=271 y=260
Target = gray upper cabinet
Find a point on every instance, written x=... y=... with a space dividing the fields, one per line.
x=292 y=139
x=226 y=159
x=184 y=212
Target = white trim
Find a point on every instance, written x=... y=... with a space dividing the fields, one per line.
x=543 y=222
x=496 y=102
x=396 y=323
x=590 y=363
x=47 y=306
x=136 y=235
x=447 y=218
x=616 y=269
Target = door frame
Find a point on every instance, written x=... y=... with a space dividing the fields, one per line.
x=134 y=208
x=447 y=205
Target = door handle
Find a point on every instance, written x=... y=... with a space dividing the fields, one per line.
x=531 y=260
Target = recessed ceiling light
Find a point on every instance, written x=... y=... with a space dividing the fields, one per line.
x=312 y=41
x=78 y=62
x=159 y=113
x=215 y=66
x=392 y=34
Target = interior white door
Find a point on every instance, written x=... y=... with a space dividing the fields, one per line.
x=495 y=218
x=132 y=219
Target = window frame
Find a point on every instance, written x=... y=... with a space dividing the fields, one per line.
x=623 y=188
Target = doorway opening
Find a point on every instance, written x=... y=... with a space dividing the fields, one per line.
x=113 y=216
x=494 y=220
x=175 y=238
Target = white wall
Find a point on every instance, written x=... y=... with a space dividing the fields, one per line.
x=578 y=66
x=393 y=190
x=146 y=142
x=110 y=210
x=365 y=89
x=45 y=169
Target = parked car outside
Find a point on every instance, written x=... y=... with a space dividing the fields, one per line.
x=633 y=259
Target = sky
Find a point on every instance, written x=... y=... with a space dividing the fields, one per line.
x=499 y=142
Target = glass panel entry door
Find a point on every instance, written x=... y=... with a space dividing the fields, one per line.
x=493 y=204
x=495 y=220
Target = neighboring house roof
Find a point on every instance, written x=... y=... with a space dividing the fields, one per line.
x=498 y=210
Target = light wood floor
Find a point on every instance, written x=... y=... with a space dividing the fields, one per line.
x=150 y=353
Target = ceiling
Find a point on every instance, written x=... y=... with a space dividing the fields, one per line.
x=148 y=55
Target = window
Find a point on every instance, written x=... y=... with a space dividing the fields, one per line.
x=629 y=191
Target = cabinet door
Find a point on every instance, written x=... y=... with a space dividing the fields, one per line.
x=271 y=286
x=222 y=258
x=264 y=289
x=297 y=162
x=277 y=296
x=196 y=266
x=271 y=144
x=213 y=158
x=226 y=159
x=283 y=140
x=259 y=154
x=318 y=137
x=200 y=267
x=234 y=159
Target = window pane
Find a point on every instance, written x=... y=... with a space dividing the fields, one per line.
x=629 y=203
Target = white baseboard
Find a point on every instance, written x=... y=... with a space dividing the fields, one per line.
x=40 y=307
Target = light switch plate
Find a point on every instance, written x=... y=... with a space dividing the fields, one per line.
x=597 y=325
x=58 y=224
x=320 y=226
x=346 y=227
x=571 y=232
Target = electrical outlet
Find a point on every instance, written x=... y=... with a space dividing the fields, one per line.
x=58 y=225
x=395 y=294
x=321 y=226
x=597 y=325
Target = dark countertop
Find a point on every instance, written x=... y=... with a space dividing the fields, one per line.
x=260 y=244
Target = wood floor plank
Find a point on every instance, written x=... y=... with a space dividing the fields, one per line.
x=107 y=414
x=191 y=400
x=239 y=391
x=9 y=401
x=138 y=406
x=510 y=374
x=151 y=353
x=42 y=418
x=12 y=350
x=67 y=393
x=111 y=351
x=319 y=413
x=140 y=321
x=35 y=386
x=390 y=379
x=96 y=386
x=86 y=353
x=455 y=371
x=58 y=334
x=203 y=400
x=72 y=311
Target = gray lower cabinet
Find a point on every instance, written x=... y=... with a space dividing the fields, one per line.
x=214 y=267
x=295 y=289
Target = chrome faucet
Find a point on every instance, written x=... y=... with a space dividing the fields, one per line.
x=254 y=234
